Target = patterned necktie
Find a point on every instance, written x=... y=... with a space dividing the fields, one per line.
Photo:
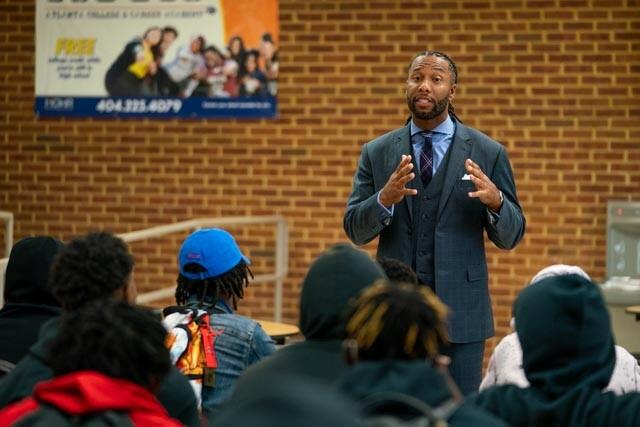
x=426 y=160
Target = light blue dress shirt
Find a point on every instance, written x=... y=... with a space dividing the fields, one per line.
x=441 y=138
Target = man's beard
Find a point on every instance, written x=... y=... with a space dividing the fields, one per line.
x=437 y=109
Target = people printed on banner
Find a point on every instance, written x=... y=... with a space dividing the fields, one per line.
x=269 y=53
x=198 y=69
x=126 y=76
x=236 y=50
x=253 y=81
x=183 y=70
x=217 y=77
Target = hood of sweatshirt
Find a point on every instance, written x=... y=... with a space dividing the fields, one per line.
x=27 y=274
x=336 y=277
x=565 y=332
x=87 y=392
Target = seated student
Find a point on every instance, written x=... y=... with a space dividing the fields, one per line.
x=107 y=361
x=568 y=356
x=91 y=269
x=213 y=275
x=337 y=276
x=395 y=332
x=28 y=300
x=505 y=364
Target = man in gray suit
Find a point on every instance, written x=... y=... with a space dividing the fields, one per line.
x=429 y=190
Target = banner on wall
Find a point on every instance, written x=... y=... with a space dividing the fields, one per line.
x=157 y=58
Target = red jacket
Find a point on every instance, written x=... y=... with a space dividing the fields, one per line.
x=86 y=392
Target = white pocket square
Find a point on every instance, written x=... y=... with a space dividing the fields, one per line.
x=466 y=177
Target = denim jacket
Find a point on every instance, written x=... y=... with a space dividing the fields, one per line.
x=241 y=343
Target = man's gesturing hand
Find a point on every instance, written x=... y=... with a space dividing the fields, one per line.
x=394 y=190
x=486 y=190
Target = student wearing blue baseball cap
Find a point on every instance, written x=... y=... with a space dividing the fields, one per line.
x=212 y=255
x=209 y=342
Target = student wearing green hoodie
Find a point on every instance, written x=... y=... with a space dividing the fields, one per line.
x=568 y=357
x=337 y=276
x=395 y=333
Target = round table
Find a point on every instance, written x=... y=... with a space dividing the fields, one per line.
x=277 y=330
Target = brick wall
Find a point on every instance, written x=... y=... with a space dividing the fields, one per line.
x=555 y=81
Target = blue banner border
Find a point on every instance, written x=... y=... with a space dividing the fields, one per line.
x=156 y=107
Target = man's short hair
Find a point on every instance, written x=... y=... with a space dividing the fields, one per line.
x=112 y=338
x=398 y=271
x=90 y=268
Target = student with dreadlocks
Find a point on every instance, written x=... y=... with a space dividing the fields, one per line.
x=395 y=332
x=209 y=342
x=430 y=190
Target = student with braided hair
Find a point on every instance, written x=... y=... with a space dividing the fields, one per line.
x=209 y=342
x=395 y=333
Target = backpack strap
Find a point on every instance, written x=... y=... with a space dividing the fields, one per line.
x=6 y=367
x=50 y=416
x=446 y=410
x=380 y=403
x=209 y=349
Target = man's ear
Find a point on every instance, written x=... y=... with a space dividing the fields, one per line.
x=350 y=351
x=452 y=92
x=128 y=292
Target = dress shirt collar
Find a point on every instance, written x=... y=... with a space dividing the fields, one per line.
x=447 y=127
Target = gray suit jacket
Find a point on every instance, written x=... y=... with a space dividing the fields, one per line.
x=459 y=255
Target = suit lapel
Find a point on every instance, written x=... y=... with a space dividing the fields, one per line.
x=460 y=151
x=403 y=146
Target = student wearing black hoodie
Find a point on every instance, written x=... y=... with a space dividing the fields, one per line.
x=568 y=356
x=28 y=301
x=337 y=276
